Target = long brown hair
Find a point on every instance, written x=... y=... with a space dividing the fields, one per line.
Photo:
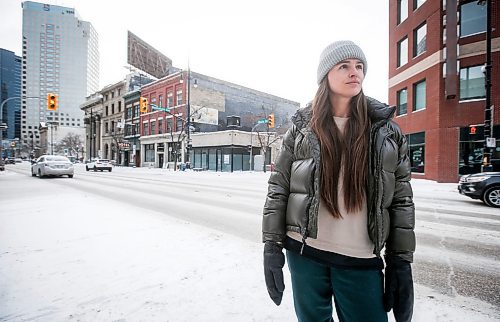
x=348 y=152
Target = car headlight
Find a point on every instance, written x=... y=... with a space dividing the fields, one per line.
x=477 y=179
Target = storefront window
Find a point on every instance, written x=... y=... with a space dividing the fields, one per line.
x=149 y=150
x=416 y=143
x=471 y=150
x=237 y=162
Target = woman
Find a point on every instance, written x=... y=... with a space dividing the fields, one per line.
x=339 y=195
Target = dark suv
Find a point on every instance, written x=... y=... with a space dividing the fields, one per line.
x=484 y=186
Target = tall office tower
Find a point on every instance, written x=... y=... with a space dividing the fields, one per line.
x=10 y=87
x=60 y=56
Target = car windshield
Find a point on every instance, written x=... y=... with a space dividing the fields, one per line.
x=57 y=158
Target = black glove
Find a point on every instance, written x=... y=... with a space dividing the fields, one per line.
x=274 y=260
x=398 y=294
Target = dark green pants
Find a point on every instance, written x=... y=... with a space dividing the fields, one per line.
x=357 y=293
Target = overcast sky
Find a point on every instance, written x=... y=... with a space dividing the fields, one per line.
x=268 y=45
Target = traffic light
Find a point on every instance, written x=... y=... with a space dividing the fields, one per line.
x=143 y=104
x=472 y=129
x=270 y=120
x=51 y=101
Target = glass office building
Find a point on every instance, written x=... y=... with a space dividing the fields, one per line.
x=59 y=55
x=10 y=86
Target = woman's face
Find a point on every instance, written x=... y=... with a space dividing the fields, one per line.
x=346 y=78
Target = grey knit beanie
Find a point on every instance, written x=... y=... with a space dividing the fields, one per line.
x=337 y=52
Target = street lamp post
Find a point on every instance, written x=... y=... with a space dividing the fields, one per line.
x=91 y=132
x=4 y=126
x=487 y=84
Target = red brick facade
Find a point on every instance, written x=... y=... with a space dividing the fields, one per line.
x=161 y=90
x=442 y=118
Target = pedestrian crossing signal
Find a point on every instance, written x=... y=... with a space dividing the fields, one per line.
x=143 y=104
x=51 y=101
x=472 y=129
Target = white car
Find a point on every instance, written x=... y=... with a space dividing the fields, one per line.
x=99 y=164
x=52 y=165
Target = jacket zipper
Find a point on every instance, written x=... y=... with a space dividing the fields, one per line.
x=380 y=227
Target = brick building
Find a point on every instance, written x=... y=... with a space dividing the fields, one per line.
x=215 y=106
x=437 y=49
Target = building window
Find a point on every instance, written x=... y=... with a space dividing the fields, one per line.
x=169 y=125
x=416 y=144
x=153 y=127
x=146 y=128
x=170 y=100
x=119 y=107
x=136 y=110
x=419 y=95
x=113 y=108
x=149 y=153
x=160 y=126
x=160 y=100
x=419 y=40
x=179 y=97
x=107 y=111
x=472 y=19
x=402 y=10
x=417 y=4
x=402 y=52
x=106 y=127
x=472 y=83
x=178 y=124
x=402 y=101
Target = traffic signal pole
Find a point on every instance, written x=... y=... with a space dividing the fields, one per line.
x=488 y=108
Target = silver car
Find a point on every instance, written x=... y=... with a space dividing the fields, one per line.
x=52 y=165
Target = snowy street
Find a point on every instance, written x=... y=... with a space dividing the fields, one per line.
x=140 y=244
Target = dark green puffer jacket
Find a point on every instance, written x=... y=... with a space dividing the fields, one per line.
x=294 y=188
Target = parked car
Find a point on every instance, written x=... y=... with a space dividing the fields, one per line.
x=10 y=160
x=52 y=165
x=2 y=165
x=484 y=186
x=99 y=164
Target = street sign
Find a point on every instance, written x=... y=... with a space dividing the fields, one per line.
x=262 y=121
x=164 y=109
x=491 y=142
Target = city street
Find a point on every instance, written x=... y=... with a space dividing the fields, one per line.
x=141 y=244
